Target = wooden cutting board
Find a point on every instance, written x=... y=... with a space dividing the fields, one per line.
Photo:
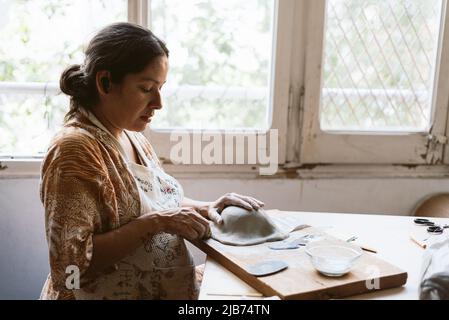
x=300 y=280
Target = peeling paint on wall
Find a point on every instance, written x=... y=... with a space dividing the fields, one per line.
x=434 y=146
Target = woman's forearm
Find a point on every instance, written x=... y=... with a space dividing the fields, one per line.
x=200 y=206
x=112 y=246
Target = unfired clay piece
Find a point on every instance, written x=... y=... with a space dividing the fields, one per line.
x=245 y=228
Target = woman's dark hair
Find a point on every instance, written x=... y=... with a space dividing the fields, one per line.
x=120 y=48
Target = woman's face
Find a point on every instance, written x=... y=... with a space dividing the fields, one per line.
x=131 y=104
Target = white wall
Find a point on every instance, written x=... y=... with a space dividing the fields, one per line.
x=23 y=252
x=24 y=264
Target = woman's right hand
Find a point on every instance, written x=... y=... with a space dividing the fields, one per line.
x=185 y=222
x=114 y=245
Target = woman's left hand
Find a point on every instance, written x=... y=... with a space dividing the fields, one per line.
x=212 y=211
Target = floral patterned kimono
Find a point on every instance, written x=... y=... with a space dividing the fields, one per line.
x=88 y=187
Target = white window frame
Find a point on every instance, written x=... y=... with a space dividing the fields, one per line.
x=138 y=11
x=278 y=101
x=320 y=147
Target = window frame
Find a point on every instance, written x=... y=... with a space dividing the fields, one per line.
x=278 y=98
x=320 y=147
x=295 y=72
x=139 y=12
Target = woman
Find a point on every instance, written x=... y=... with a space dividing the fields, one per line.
x=113 y=216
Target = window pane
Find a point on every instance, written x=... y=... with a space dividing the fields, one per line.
x=28 y=120
x=379 y=69
x=41 y=38
x=220 y=62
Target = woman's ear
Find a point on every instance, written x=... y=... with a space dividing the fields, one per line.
x=103 y=82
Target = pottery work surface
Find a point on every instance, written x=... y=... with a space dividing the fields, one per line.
x=244 y=228
x=300 y=280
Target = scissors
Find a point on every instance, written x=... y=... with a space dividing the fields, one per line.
x=432 y=228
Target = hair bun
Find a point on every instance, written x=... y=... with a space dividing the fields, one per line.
x=72 y=81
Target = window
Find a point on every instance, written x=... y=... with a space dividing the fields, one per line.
x=223 y=72
x=379 y=65
x=220 y=63
x=379 y=97
x=43 y=37
x=343 y=81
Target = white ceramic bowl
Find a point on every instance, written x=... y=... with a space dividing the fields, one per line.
x=333 y=259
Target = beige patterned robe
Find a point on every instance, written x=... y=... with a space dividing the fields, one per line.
x=86 y=189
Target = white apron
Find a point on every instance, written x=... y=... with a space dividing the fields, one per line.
x=162 y=268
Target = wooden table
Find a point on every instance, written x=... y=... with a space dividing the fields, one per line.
x=389 y=235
